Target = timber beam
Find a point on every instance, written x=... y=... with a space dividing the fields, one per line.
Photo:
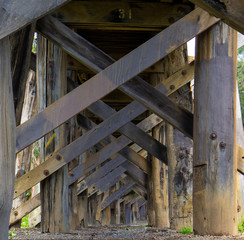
x=230 y=11
x=80 y=145
x=24 y=209
x=117 y=195
x=15 y=14
x=116 y=145
x=96 y=60
x=121 y=15
x=99 y=173
x=110 y=179
x=155 y=49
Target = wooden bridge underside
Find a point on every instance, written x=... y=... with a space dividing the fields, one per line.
x=92 y=43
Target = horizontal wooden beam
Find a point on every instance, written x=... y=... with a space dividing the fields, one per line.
x=113 y=76
x=231 y=11
x=71 y=151
x=15 y=14
x=24 y=209
x=121 y=15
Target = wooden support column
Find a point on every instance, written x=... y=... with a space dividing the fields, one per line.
x=179 y=149
x=7 y=138
x=159 y=175
x=215 y=175
x=54 y=190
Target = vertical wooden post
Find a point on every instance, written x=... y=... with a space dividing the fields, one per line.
x=128 y=218
x=54 y=190
x=7 y=138
x=83 y=208
x=117 y=207
x=179 y=149
x=215 y=167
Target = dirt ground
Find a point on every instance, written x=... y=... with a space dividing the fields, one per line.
x=113 y=232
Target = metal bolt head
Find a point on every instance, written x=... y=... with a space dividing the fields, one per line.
x=46 y=172
x=16 y=213
x=222 y=145
x=71 y=174
x=213 y=136
x=58 y=157
x=183 y=72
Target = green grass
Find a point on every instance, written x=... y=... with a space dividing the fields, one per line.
x=186 y=230
x=24 y=222
x=241 y=225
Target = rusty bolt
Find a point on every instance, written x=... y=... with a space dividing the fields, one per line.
x=181 y=155
x=238 y=208
x=16 y=213
x=58 y=157
x=172 y=87
x=183 y=72
x=171 y=20
x=213 y=136
x=71 y=174
x=46 y=172
x=222 y=145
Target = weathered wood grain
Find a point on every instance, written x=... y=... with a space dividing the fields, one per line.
x=231 y=11
x=214 y=172
x=16 y=14
x=119 y=144
x=7 y=138
x=54 y=189
x=97 y=60
x=77 y=147
x=133 y=132
x=27 y=207
x=155 y=49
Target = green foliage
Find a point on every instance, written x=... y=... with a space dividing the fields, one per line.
x=34 y=44
x=25 y=221
x=241 y=225
x=186 y=230
x=36 y=150
x=28 y=195
x=240 y=77
x=11 y=234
